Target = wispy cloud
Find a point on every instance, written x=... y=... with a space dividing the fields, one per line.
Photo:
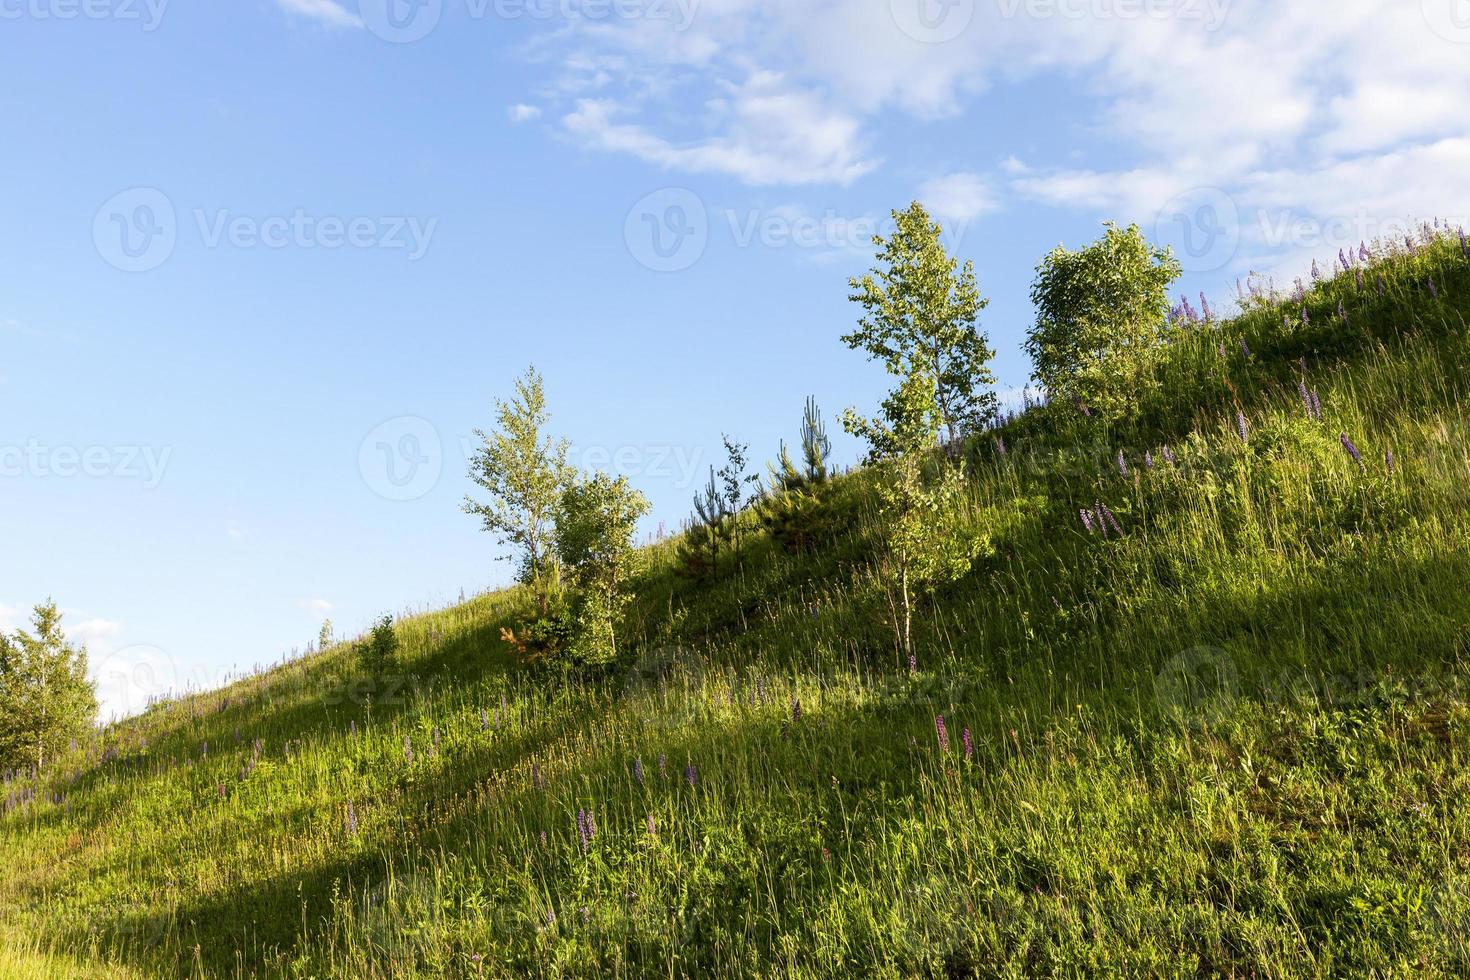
x=328 y=12
x=319 y=606
x=520 y=112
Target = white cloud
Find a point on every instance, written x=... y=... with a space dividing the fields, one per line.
x=521 y=112
x=328 y=12
x=772 y=134
x=319 y=606
x=960 y=197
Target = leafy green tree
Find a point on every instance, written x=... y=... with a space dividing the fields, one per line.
x=920 y=306
x=735 y=483
x=924 y=544
x=1100 y=317
x=594 y=539
x=378 y=651
x=46 y=699
x=524 y=473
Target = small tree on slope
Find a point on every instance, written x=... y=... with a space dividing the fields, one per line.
x=594 y=539
x=46 y=699
x=524 y=474
x=920 y=307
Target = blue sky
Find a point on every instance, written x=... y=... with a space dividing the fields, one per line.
x=265 y=265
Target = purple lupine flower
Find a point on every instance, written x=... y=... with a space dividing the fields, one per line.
x=586 y=829
x=1148 y=459
x=969 y=744
x=1204 y=305
x=436 y=742
x=796 y=709
x=1413 y=249
x=691 y=775
x=1301 y=387
x=663 y=764
x=1122 y=463
x=1316 y=272
x=913 y=662
x=638 y=771
x=1389 y=460
x=1363 y=252
x=1286 y=320
x=652 y=826
x=1241 y=427
x=1342 y=257
x=1306 y=317
x=1352 y=450
x=484 y=719
x=408 y=749
x=351 y=819
x=943 y=732
x=1111 y=519
x=1316 y=406
x=1087 y=518
x=1102 y=523
x=1342 y=313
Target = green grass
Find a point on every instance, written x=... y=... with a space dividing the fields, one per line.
x=1231 y=742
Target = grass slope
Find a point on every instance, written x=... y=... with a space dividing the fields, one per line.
x=1230 y=742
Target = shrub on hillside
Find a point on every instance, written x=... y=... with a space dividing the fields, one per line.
x=378 y=651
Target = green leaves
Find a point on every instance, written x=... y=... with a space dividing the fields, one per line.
x=594 y=540
x=1101 y=313
x=920 y=310
x=45 y=696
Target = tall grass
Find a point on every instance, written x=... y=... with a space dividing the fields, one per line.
x=1226 y=741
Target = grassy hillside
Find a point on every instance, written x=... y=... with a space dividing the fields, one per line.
x=1229 y=741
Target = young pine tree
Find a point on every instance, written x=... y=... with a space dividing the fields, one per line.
x=524 y=473
x=46 y=699
x=920 y=311
x=790 y=510
x=594 y=540
x=1100 y=317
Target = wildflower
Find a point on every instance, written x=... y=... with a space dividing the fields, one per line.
x=1316 y=272
x=1413 y=250
x=691 y=775
x=1110 y=518
x=663 y=764
x=408 y=749
x=1389 y=460
x=1316 y=406
x=1148 y=459
x=652 y=826
x=913 y=662
x=1245 y=348
x=1122 y=464
x=585 y=829
x=484 y=719
x=351 y=819
x=943 y=732
x=1301 y=387
x=1360 y=280
x=1352 y=450
x=1169 y=456
x=1087 y=518
x=796 y=709
x=969 y=745
x=1342 y=257
x=1363 y=252
x=1204 y=304
x=1306 y=317
x=1241 y=427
